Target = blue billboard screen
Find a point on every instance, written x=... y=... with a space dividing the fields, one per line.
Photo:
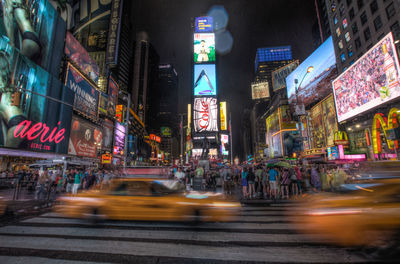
x=205 y=79
x=204 y=25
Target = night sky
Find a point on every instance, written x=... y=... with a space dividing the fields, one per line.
x=252 y=23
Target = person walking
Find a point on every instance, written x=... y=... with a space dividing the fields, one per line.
x=77 y=182
x=315 y=179
x=273 y=182
x=285 y=181
x=297 y=187
x=42 y=181
x=244 y=183
x=251 y=182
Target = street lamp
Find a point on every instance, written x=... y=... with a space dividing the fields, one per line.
x=309 y=69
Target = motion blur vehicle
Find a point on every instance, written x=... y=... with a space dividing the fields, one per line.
x=366 y=214
x=147 y=199
x=3 y=206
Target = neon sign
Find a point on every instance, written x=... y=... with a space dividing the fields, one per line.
x=25 y=130
x=205 y=114
x=380 y=122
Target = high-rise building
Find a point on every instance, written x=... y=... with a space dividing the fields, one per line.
x=356 y=25
x=321 y=28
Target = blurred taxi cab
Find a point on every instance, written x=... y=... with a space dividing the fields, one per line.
x=369 y=212
x=147 y=199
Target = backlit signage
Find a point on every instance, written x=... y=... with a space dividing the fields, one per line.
x=203 y=24
x=205 y=114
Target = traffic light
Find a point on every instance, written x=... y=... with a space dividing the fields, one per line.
x=15 y=98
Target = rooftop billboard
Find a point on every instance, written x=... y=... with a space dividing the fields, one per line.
x=371 y=81
x=205 y=79
x=259 y=90
x=203 y=25
x=316 y=85
x=204 y=47
x=279 y=75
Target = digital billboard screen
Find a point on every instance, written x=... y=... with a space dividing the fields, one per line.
x=204 y=47
x=371 y=81
x=315 y=85
x=112 y=96
x=41 y=117
x=86 y=95
x=78 y=54
x=205 y=114
x=222 y=115
x=205 y=79
x=119 y=139
x=36 y=30
x=259 y=90
x=108 y=129
x=203 y=24
x=85 y=138
x=224 y=144
x=279 y=75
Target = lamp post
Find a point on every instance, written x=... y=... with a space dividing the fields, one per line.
x=127 y=96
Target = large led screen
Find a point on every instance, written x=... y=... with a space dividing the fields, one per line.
x=35 y=28
x=315 y=85
x=224 y=145
x=86 y=95
x=204 y=47
x=85 y=139
x=108 y=128
x=205 y=114
x=259 y=90
x=369 y=82
x=40 y=117
x=203 y=24
x=112 y=96
x=119 y=139
x=205 y=80
x=279 y=75
x=78 y=54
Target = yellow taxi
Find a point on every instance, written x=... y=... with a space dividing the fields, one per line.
x=367 y=214
x=147 y=199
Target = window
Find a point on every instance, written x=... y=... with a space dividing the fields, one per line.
x=347 y=36
x=374 y=7
x=390 y=11
x=381 y=36
x=363 y=18
x=344 y=23
x=350 y=51
x=351 y=14
x=335 y=20
x=338 y=32
x=367 y=34
x=343 y=57
x=358 y=43
x=341 y=10
x=340 y=44
x=333 y=7
x=354 y=28
x=348 y=2
x=377 y=23
x=395 y=28
x=360 y=4
x=351 y=62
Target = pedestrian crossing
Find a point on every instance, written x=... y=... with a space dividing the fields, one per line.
x=258 y=235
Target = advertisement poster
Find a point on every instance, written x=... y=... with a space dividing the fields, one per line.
x=371 y=81
x=272 y=127
x=86 y=95
x=78 y=54
x=329 y=114
x=37 y=123
x=39 y=33
x=113 y=33
x=166 y=132
x=203 y=25
x=259 y=90
x=222 y=109
x=119 y=139
x=279 y=76
x=112 y=96
x=304 y=131
x=85 y=138
x=108 y=129
x=276 y=146
x=205 y=79
x=224 y=145
x=103 y=103
x=204 y=47
x=286 y=118
x=314 y=85
x=292 y=142
x=205 y=114
x=318 y=130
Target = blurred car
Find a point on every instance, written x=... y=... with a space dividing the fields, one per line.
x=147 y=199
x=3 y=206
x=368 y=213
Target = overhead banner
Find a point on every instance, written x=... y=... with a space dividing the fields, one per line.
x=86 y=95
x=119 y=139
x=204 y=47
x=36 y=29
x=222 y=109
x=203 y=24
x=205 y=114
x=259 y=90
x=205 y=79
x=108 y=132
x=279 y=75
x=85 y=138
x=41 y=117
x=113 y=33
x=78 y=54
x=371 y=81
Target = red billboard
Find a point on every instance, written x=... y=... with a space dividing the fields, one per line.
x=85 y=138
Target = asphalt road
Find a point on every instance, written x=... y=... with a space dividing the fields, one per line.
x=260 y=235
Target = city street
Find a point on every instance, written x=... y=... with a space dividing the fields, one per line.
x=260 y=234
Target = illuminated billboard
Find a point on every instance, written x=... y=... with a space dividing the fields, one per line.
x=316 y=84
x=108 y=128
x=204 y=47
x=279 y=75
x=203 y=24
x=205 y=114
x=259 y=90
x=36 y=29
x=112 y=96
x=85 y=138
x=205 y=80
x=78 y=54
x=35 y=107
x=222 y=109
x=224 y=144
x=119 y=139
x=371 y=81
x=86 y=95
x=166 y=132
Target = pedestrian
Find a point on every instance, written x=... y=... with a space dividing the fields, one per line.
x=244 y=183
x=251 y=182
x=297 y=187
x=77 y=182
x=285 y=181
x=273 y=182
x=315 y=179
x=42 y=181
x=265 y=183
